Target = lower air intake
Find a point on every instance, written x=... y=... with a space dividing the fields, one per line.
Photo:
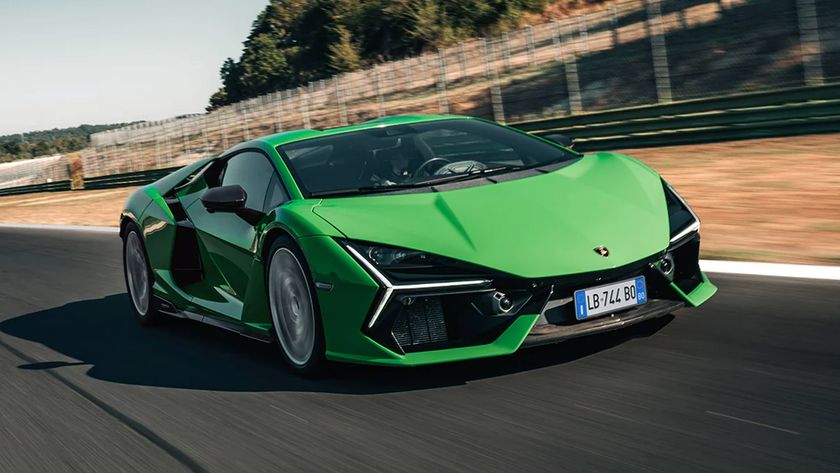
x=420 y=323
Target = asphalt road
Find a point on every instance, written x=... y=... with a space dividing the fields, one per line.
x=749 y=382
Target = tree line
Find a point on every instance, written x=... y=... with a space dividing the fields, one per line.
x=293 y=42
x=48 y=142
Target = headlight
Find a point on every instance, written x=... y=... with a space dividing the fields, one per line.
x=385 y=257
x=400 y=270
x=682 y=220
x=402 y=265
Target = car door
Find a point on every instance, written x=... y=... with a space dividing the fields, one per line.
x=228 y=240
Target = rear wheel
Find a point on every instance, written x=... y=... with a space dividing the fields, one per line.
x=294 y=309
x=138 y=277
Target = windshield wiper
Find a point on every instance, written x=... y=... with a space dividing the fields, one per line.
x=424 y=183
x=373 y=189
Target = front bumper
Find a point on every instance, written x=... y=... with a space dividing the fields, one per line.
x=552 y=333
x=346 y=309
x=524 y=332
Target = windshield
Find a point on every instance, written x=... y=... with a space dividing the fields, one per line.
x=413 y=155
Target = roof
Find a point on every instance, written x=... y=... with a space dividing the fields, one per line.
x=303 y=134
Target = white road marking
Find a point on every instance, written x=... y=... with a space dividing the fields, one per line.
x=772 y=269
x=793 y=432
x=72 y=228
x=54 y=198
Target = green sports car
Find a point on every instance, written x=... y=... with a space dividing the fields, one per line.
x=411 y=240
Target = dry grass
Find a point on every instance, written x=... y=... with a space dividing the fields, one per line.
x=768 y=200
x=95 y=207
x=762 y=200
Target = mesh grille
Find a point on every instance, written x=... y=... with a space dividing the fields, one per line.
x=420 y=323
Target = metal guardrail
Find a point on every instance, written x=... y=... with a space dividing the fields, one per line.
x=798 y=111
x=47 y=187
x=804 y=110
x=719 y=103
x=137 y=178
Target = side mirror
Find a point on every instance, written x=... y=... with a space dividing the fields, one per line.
x=224 y=199
x=561 y=140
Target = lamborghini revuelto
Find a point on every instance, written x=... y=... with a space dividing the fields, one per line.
x=411 y=240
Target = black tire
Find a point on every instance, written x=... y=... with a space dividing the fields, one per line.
x=151 y=315
x=316 y=362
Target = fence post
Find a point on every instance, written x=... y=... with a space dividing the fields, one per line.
x=222 y=131
x=157 y=151
x=204 y=136
x=443 y=102
x=583 y=27
x=243 y=110
x=614 y=24
x=278 y=111
x=506 y=49
x=809 y=39
x=572 y=79
x=530 y=40
x=304 y=96
x=496 y=100
x=132 y=162
x=339 y=99
x=659 y=51
x=184 y=136
x=556 y=40
x=462 y=58
x=347 y=93
x=485 y=57
x=386 y=69
x=168 y=146
x=380 y=102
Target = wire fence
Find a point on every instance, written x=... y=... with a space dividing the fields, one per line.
x=42 y=170
x=629 y=53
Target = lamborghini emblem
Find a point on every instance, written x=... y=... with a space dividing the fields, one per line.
x=602 y=250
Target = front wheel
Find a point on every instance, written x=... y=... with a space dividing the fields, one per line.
x=294 y=309
x=138 y=277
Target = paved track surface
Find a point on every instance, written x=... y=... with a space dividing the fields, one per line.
x=749 y=382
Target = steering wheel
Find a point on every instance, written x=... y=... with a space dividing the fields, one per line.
x=461 y=167
x=426 y=163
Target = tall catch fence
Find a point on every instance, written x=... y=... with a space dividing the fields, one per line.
x=38 y=171
x=629 y=53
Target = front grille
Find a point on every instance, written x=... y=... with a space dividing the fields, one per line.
x=420 y=323
x=415 y=321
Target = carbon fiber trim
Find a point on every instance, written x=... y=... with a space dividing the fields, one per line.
x=550 y=333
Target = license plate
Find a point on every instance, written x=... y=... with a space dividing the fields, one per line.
x=610 y=297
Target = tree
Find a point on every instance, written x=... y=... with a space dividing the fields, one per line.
x=293 y=42
x=263 y=68
x=344 y=54
x=47 y=142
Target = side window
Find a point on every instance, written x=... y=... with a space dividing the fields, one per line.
x=254 y=173
x=276 y=194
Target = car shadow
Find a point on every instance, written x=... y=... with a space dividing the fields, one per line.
x=188 y=355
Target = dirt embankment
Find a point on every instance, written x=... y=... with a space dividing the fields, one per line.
x=762 y=200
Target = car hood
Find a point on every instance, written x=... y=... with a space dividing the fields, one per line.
x=538 y=226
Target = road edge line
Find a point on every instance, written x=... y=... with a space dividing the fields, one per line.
x=784 y=270
x=72 y=228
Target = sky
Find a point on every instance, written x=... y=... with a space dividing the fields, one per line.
x=68 y=62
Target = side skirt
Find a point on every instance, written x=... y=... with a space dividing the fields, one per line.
x=169 y=309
